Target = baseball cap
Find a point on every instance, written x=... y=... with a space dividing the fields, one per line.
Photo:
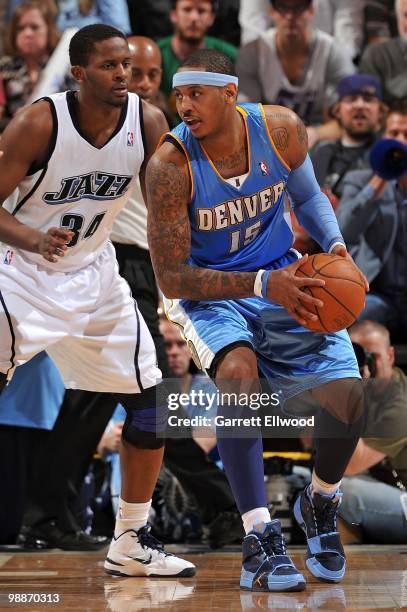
x=359 y=84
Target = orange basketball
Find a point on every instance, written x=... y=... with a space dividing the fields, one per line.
x=343 y=294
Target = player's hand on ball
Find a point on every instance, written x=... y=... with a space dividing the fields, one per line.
x=285 y=288
x=54 y=242
x=341 y=250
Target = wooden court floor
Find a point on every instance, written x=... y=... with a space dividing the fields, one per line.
x=376 y=580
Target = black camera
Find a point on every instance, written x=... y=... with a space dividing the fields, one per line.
x=364 y=359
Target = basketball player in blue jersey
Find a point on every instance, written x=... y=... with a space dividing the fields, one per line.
x=74 y=158
x=221 y=248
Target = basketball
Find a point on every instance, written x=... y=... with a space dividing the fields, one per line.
x=343 y=294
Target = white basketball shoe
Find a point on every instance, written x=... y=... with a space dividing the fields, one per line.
x=138 y=553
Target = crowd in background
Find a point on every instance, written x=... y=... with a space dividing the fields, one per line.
x=342 y=66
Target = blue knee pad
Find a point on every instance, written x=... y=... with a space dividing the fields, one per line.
x=147 y=416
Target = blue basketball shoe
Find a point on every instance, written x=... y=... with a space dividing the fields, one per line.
x=266 y=565
x=316 y=515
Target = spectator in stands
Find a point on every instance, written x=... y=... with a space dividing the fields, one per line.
x=388 y=60
x=147 y=74
x=372 y=216
x=343 y=19
x=80 y=13
x=31 y=38
x=192 y=20
x=380 y=21
x=152 y=18
x=360 y=113
x=294 y=66
x=374 y=500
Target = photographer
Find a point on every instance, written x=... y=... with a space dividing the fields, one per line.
x=377 y=500
x=372 y=216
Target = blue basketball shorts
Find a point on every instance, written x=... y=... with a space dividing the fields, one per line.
x=292 y=358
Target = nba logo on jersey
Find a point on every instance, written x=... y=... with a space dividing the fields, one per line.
x=8 y=258
x=130 y=139
x=264 y=168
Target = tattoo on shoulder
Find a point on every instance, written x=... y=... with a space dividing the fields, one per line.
x=302 y=134
x=280 y=137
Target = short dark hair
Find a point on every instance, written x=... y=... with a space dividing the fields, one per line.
x=211 y=60
x=83 y=42
x=398 y=106
x=215 y=4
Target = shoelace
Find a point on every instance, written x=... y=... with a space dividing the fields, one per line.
x=325 y=516
x=273 y=544
x=148 y=541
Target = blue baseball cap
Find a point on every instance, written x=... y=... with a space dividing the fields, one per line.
x=359 y=84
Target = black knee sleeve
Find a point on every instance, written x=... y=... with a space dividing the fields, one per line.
x=334 y=443
x=147 y=416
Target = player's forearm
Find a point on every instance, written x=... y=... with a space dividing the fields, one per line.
x=16 y=234
x=191 y=283
x=316 y=215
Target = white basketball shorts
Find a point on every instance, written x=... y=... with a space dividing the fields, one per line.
x=86 y=320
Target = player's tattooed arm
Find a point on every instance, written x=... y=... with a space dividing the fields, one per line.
x=169 y=236
x=289 y=134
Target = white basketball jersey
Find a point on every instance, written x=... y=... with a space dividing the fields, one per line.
x=82 y=188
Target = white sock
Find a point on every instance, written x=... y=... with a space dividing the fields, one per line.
x=131 y=516
x=255 y=516
x=323 y=488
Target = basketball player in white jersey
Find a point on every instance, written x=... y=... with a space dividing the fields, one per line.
x=74 y=158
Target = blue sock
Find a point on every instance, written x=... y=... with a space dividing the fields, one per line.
x=242 y=459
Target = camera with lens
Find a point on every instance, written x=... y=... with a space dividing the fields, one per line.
x=388 y=158
x=364 y=359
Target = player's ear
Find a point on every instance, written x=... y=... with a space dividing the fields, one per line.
x=77 y=73
x=230 y=94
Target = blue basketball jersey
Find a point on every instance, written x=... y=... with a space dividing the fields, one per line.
x=241 y=227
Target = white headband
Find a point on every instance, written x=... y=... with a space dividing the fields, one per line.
x=197 y=77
